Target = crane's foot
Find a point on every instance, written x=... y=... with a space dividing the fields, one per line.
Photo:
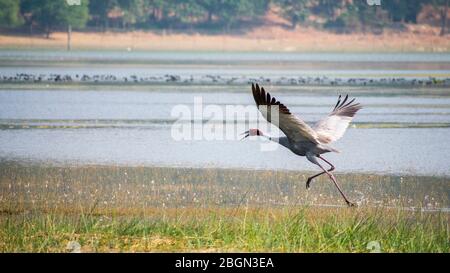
x=351 y=204
x=308 y=182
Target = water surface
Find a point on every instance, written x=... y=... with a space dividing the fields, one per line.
x=392 y=134
x=402 y=129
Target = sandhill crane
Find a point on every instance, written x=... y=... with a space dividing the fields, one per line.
x=302 y=139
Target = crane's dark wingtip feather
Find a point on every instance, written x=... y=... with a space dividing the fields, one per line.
x=255 y=94
x=339 y=101
x=344 y=108
x=348 y=103
x=343 y=102
x=264 y=98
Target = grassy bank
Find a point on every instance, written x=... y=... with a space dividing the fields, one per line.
x=210 y=230
x=113 y=209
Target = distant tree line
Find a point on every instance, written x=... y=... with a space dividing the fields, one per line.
x=336 y=15
x=358 y=15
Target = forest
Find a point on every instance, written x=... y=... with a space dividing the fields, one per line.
x=345 y=16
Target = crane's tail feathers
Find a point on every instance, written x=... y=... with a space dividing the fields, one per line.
x=334 y=150
x=328 y=148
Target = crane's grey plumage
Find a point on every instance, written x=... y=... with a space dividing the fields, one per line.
x=301 y=138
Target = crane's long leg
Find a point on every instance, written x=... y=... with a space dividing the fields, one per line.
x=314 y=160
x=308 y=182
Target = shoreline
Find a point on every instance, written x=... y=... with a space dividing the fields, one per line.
x=413 y=79
x=33 y=163
x=279 y=187
x=261 y=39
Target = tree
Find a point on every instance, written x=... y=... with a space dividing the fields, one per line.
x=358 y=16
x=51 y=14
x=99 y=9
x=230 y=11
x=442 y=6
x=296 y=11
x=226 y=12
x=10 y=13
x=403 y=11
x=185 y=12
x=327 y=8
x=211 y=9
x=158 y=12
x=134 y=11
x=443 y=13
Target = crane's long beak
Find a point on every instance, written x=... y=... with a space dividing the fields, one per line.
x=246 y=133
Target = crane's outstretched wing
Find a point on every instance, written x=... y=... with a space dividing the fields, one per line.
x=294 y=128
x=333 y=126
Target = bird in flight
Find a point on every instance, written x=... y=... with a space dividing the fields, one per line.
x=302 y=139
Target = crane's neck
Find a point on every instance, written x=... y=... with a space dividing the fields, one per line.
x=280 y=140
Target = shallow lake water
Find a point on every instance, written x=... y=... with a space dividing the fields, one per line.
x=392 y=134
x=401 y=130
x=395 y=151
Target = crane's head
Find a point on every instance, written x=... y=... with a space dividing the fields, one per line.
x=252 y=132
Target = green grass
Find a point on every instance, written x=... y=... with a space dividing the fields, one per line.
x=134 y=209
x=246 y=229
